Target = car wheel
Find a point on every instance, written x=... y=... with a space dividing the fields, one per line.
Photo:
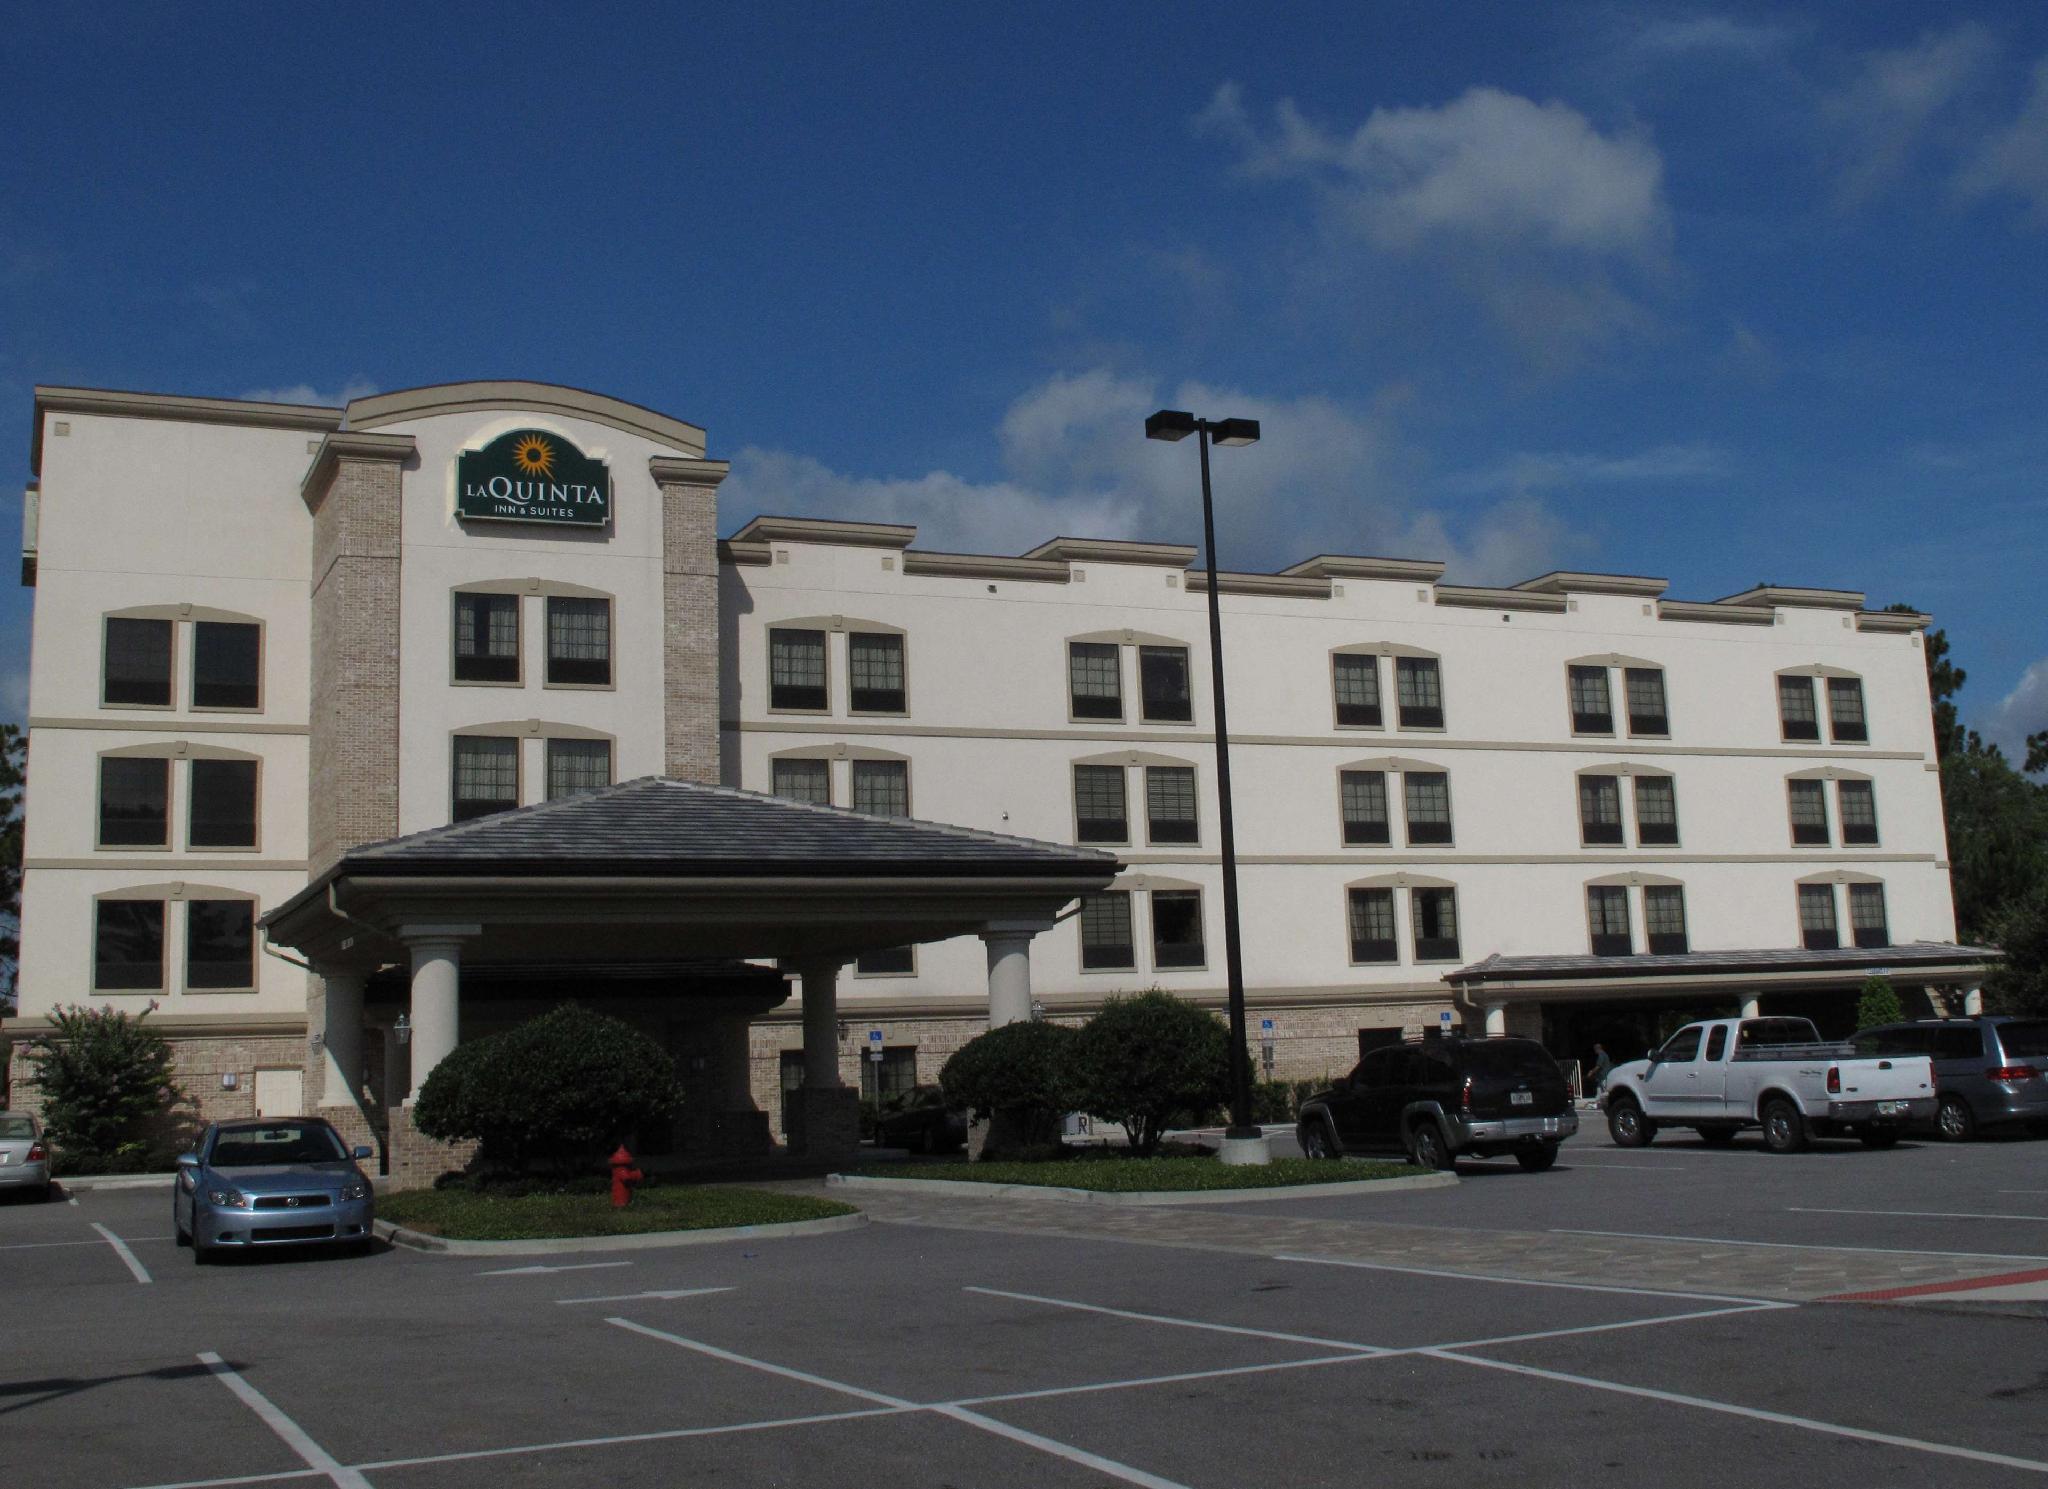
x=1316 y=1141
x=1955 y=1121
x=201 y=1255
x=1627 y=1125
x=1883 y=1138
x=182 y=1236
x=1536 y=1160
x=1784 y=1127
x=1718 y=1137
x=1427 y=1147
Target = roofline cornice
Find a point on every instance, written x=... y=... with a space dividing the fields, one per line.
x=1579 y=582
x=1307 y=585
x=1115 y=551
x=1716 y=612
x=770 y=529
x=1356 y=566
x=119 y=404
x=348 y=444
x=985 y=566
x=1477 y=597
x=1897 y=621
x=438 y=399
x=683 y=470
x=1797 y=598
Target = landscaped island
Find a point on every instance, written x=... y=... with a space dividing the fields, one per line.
x=1122 y=1175
x=467 y=1215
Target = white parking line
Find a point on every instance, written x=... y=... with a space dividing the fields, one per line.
x=1637 y=1235
x=1349 y=1345
x=1055 y=1448
x=121 y=1250
x=1577 y=1287
x=537 y=1269
x=43 y=1245
x=291 y=1433
x=1922 y=1214
x=680 y=1292
x=1756 y=1414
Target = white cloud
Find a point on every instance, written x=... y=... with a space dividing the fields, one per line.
x=1540 y=471
x=2015 y=158
x=1529 y=208
x=356 y=387
x=1883 y=116
x=1490 y=166
x=2019 y=713
x=1324 y=478
x=1706 y=35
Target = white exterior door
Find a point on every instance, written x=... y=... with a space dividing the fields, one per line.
x=280 y=1093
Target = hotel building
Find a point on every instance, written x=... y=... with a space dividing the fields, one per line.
x=327 y=708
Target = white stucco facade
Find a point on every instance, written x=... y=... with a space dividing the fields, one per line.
x=194 y=511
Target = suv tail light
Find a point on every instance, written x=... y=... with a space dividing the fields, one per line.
x=1465 y=1095
x=36 y=1153
x=1834 y=1080
x=2010 y=1073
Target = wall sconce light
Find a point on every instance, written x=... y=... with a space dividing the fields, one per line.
x=229 y=1080
x=403 y=1029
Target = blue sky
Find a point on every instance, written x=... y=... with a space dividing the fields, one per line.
x=1727 y=294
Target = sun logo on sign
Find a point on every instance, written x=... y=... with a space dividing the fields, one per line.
x=534 y=456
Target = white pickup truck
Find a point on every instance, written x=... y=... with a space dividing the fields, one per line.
x=1723 y=1075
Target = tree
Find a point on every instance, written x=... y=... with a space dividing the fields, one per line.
x=13 y=776
x=2019 y=983
x=2037 y=752
x=103 y=1077
x=1997 y=838
x=1878 y=1005
x=1144 y=1060
x=1021 y=1077
x=553 y=1094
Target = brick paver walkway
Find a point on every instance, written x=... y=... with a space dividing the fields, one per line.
x=1788 y=1273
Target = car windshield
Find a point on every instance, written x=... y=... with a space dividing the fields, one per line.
x=17 y=1128
x=1504 y=1058
x=2029 y=1038
x=287 y=1142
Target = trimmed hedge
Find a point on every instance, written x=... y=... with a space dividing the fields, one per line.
x=1021 y=1077
x=1145 y=1060
x=556 y=1093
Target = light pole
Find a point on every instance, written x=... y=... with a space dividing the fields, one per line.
x=1242 y=1142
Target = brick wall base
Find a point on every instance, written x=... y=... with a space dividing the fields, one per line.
x=413 y=1160
x=824 y=1123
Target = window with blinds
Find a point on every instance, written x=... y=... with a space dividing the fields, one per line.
x=1656 y=811
x=1600 y=811
x=1859 y=813
x=1607 y=918
x=874 y=673
x=1796 y=716
x=1664 y=919
x=881 y=788
x=1817 y=928
x=1106 y=941
x=1846 y=721
x=1647 y=711
x=1363 y=794
x=1866 y=915
x=1170 y=804
x=802 y=780
x=579 y=641
x=1433 y=914
x=1808 y=801
x=1592 y=706
x=1372 y=925
x=796 y=670
x=1428 y=803
x=486 y=638
x=1101 y=814
x=1419 y=692
x=578 y=765
x=1094 y=683
x=1356 y=680
x=486 y=775
x=136 y=668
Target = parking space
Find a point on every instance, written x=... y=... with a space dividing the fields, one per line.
x=1985 y=1199
x=912 y=1355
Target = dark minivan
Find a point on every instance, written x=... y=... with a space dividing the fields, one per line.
x=1438 y=1100
x=1990 y=1071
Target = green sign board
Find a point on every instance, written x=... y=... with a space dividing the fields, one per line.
x=532 y=475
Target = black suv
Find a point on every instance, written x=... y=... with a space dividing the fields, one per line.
x=1441 y=1099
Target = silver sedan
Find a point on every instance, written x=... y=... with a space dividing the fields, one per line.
x=24 y=1156
x=272 y=1181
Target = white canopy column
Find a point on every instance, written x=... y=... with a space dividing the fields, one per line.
x=436 y=1011
x=821 y=1024
x=1009 y=969
x=341 y=1040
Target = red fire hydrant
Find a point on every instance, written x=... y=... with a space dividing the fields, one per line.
x=624 y=1176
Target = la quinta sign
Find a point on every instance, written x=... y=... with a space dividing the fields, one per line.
x=533 y=475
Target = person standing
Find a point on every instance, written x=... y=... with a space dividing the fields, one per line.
x=1596 y=1078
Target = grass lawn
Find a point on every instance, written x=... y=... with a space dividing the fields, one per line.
x=462 y=1216
x=1146 y=1175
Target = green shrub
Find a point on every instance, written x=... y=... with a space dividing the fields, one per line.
x=1878 y=1005
x=1143 y=1060
x=1021 y=1077
x=103 y=1078
x=1274 y=1101
x=556 y=1094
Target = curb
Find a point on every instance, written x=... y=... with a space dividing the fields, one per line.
x=414 y=1240
x=87 y=1183
x=974 y=1189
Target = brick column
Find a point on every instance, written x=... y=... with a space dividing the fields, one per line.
x=353 y=491
x=689 y=575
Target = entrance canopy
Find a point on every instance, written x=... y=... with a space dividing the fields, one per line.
x=1742 y=975
x=661 y=869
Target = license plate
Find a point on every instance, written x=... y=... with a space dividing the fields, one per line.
x=1890 y=1108
x=1522 y=1098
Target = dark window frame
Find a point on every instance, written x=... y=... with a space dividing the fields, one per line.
x=1102 y=829
x=1095 y=707
x=859 y=768
x=1808 y=834
x=1665 y=942
x=1601 y=921
x=1419 y=715
x=1369 y=950
x=1168 y=710
x=573 y=671
x=1100 y=955
x=137 y=682
x=1651 y=834
x=1426 y=831
x=1181 y=960
x=1593 y=831
x=1364 y=831
x=1866 y=935
x=800 y=697
x=201 y=629
x=873 y=700
x=136 y=766
x=1438 y=947
x=245 y=910
x=468 y=809
x=1647 y=725
x=889 y=961
x=1848 y=730
x=487 y=667
x=100 y=961
x=1857 y=833
x=1813 y=934
x=208 y=766
x=567 y=745
x=1357 y=713
x=1581 y=681
x=824 y=771
x=1173 y=831
x=1799 y=730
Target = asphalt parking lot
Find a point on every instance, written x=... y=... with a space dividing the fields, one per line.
x=914 y=1353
